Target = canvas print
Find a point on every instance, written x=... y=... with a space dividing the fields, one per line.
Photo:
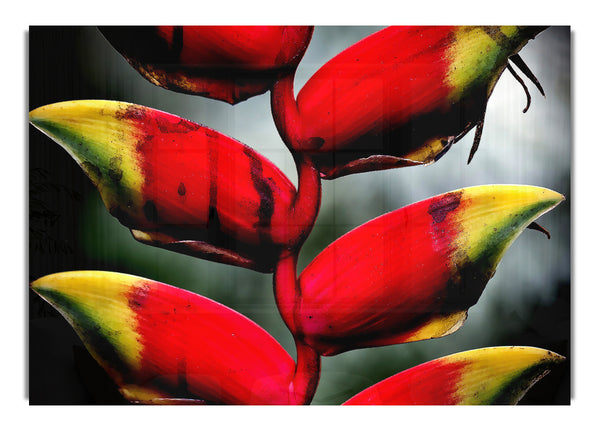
x=293 y=215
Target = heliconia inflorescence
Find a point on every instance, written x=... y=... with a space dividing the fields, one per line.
x=182 y=186
x=410 y=274
x=494 y=375
x=399 y=97
x=228 y=63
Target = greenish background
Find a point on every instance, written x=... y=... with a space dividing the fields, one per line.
x=528 y=301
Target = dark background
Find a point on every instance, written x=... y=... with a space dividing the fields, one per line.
x=528 y=302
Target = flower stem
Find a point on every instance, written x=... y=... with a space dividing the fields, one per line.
x=287 y=118
x=308 y=362
x=302 y=218
x=308 y=370
x=306 y=205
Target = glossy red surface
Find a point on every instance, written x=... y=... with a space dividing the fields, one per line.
x=193 y=347
x=380 y=282
x=431 y=383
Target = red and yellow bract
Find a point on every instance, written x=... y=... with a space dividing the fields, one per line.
x=399 y=97
x=183 y=186
x=164 y=345
x=410 y=274
x=495 y=375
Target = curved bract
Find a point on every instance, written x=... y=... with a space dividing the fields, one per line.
x=495 y=375
x=403 y=95
x=165 y=345
x=228 y=63
x=413 y=273
x=177 y=184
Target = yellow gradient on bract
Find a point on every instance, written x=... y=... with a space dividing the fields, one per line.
x=97 y=300
x=491 y=217
x=101 y=138
x=438 y=326
x=500 y=374
x=476 y=56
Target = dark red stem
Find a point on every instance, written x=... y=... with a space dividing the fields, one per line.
x=308 y=199
x=287 y=118
x=301 y=221
x=307 y=202
x=308 y=362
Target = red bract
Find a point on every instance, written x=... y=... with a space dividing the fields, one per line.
x=496 y=375
x=182 y=186
x=228 y=63
x=410 y=274
x=399 y=97
x=161 y=344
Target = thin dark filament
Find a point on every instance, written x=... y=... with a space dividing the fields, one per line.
x=477 y=138
x=518 y=61
x=518 y=78
x=535 y=226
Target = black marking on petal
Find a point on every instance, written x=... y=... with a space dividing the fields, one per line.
x=315 y=142
x=266 y=208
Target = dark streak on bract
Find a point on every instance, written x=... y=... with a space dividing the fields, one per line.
x=150 y=212
x=181 y=189
x=439 y=208
x=266 y=207
x=316 y=142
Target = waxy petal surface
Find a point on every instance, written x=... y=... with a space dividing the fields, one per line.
x=403 y=95
x=175 y=183
x=166 y=345
x=495 y=375
x=413 y=273
x=228 y=63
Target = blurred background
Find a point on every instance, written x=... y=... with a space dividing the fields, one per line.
x=527 y=302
